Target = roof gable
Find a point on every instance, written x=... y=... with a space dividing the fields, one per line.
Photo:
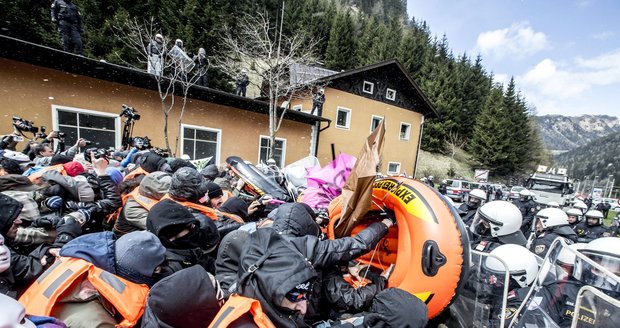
x=383 y=76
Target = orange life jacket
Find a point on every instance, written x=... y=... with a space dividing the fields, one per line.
x=128 y=298
x=36 y=176
x=135 y=194
x=206 y=210
x=237 y=306
x=135 y=173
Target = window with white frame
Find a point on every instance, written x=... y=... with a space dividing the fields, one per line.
x=279 y=150
x=374 y=123
x=390 y=94
x=393 y=168
x=343 y=118
x=200 y=142
x=405 y=131
x=100 y=128
x=369 y=87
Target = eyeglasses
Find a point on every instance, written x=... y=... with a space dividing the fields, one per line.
x=296 y=297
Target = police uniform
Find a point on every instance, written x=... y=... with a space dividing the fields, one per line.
x=541 y=244
x=528 y=210
x=559 y=298
x=513 y=300
x=587 y=233
x=69 y=21
x=469 y=213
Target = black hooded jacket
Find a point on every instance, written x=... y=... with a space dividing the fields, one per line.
x=189 y=298
x=293 y=221
x=279 y=268
x=227 y=262
x=166 y=219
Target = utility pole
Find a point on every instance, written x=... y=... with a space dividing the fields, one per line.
x=613 y=182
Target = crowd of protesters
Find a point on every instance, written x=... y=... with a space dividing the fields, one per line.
x=90 y=238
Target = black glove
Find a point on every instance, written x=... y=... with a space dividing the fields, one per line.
x=66 y=230
x=389 y=215
x=46 y=222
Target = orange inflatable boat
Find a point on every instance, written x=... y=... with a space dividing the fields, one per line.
x=429 y=245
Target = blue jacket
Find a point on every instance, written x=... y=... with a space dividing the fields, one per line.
x=96 y=248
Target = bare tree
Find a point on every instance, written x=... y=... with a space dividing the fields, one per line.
x=261 y=48
x=177 y=71
x=454 y=142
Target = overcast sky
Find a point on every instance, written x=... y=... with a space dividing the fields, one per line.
x=564 y=54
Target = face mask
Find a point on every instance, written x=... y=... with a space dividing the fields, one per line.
x=13 y=314
x=5 y=256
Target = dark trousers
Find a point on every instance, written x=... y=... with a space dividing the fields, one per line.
x=71 y=39
x=240 y=91
x=203 y=81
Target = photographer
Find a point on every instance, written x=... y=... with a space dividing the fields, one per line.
x=44 y=151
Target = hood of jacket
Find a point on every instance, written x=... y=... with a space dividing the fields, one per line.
x=294 y=219
x=96 y=248
x=280 y=269
x=152 y=162
x=188 y=298
x=399 y=308
x=155 y=185
x=167 y=218
x=227 y=261
x=16 y=182
x=10 y=210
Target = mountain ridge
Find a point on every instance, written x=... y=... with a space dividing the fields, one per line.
x=564 y=133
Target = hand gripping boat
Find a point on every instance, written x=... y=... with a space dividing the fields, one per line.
x=429 y=245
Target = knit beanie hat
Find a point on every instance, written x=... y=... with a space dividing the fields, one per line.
x=178 y=163
x=84 y=190
x=73 y=168
x=210 y=172
x=115 y=175
x=187 y=183
x=213 y=190
x=139 y=252
x=236 y=206
x=60 y=159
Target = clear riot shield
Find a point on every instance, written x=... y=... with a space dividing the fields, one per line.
x=482 y=299
x=180 y=58
x=551 y=302
x=594 y=308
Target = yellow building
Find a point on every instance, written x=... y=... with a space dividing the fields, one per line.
x=83 y=97
x=357 y=100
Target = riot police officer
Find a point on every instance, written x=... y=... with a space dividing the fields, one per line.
x=574 y=217
x=68 y=20
x=475 y=200
x=523 y=268
x=496 y=223
x=528 y=208
x=551 y=223
x=559 y=297
x=592 y=227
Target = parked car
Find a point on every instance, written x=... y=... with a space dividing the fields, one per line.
x=457 y=189
x=514 y=192
x=615 y=203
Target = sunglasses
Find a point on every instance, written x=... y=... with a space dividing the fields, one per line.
x=296 y=297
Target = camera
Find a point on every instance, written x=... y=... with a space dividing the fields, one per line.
x=141 y=142
x=41 y=134
x=88 y=142
x=130 y=113
x=95 y=152
x=24 y=126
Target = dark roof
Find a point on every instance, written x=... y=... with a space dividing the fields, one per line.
x=390 y=71
x=39 y=55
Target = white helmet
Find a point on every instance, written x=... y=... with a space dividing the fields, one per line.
x=574 y=212
x=476 y=197
x=606 y=252
x=444 y=181
x=525 y=193
x=594 y=214
x=521 y=263
x=499 y=219
x=566 y=260
x=581 y=206
x=552 y=217
x=553 y=204
x=430 y=177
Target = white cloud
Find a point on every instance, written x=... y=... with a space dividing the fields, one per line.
x=603 y=35
x=519 y=40
x=501 y=78
x=551 y=85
